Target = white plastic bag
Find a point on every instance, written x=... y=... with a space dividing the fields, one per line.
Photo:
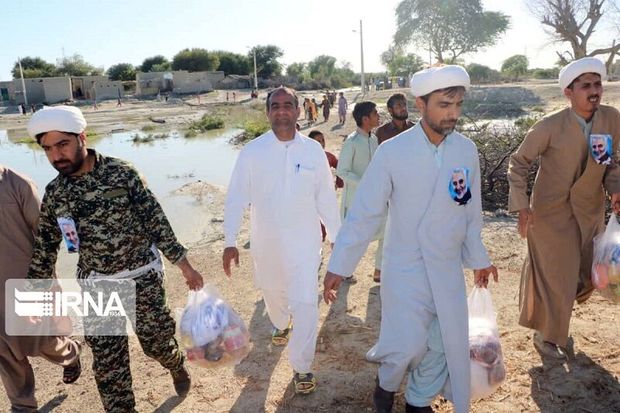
x=212 y=334
x=485 y=351
x=606 y=261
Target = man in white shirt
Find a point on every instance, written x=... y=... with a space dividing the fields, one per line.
x=429 y=238
x=285 y=179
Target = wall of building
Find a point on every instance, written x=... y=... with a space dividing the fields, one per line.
x=57 y=89
x=85 y=84
x=194 y=82
x=108 y=89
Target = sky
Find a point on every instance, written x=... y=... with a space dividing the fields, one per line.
x=106 y=32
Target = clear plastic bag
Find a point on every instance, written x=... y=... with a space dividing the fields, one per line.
x=606 y=261
x=485 y=350
x=212 y=334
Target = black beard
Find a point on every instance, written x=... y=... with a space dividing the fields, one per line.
x=72 y=167
x=402 y=117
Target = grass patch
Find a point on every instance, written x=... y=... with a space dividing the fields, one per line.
x=207 y=122
x=256 y=127
x=137 y=138
x=191 y=133
x=148 y=128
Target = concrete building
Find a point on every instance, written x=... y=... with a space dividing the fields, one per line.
x=96 y=87
x=236 y=82
x=41 y=90
x=179 y=81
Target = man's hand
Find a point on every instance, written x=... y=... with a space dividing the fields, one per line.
x=525 y=220
x=230 y=253
x=193 y=278
x=615 y=202
x=330 y=286
x=481 y=277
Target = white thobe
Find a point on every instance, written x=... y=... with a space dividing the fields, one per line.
x=289 y=189
x=428 y=240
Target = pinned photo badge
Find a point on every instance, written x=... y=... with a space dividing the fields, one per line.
x=69 y=233
x=459 y=186
x=600 y=149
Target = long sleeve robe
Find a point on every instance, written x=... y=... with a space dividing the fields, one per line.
x=568 y=206
x=290 y=191
x=356 y=153
x=425 y=229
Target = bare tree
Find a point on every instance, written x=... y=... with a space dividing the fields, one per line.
x=574 y=22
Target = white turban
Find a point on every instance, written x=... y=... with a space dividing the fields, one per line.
x=577 y=68
x=58 y=118
x=440 y=77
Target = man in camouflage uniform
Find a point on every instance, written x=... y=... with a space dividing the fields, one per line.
x=117 y=220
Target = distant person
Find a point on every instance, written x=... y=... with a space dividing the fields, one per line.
x=314 y=113
x=118 y=103
x=226 y=96
x=397 y=107
x=234 y=97
x=326 y=108
x=342 y=108
x=333 y=163
x=282 y=176
x=566 y=208
x=18 y=227
x=331 y=158
x=33 y=108
x=356 y=154
x=307 y=110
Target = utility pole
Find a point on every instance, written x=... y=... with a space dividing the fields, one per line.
x=362 y=80
x=255 y=76
x=21 y=72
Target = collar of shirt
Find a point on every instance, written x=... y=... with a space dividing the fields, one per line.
x=362 y=132
x=436 y=150
x=586 y=127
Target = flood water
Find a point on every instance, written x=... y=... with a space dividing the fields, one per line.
x=167 y=164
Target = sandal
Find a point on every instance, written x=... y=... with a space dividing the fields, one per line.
x=280 y=337
x=305 y=383
x=376 y=277
x=71 y=373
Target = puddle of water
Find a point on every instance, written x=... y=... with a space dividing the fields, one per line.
x=167 y=164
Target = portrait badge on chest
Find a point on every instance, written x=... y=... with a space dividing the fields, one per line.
x=459 y=186
x=600 y=149
x=69 y=233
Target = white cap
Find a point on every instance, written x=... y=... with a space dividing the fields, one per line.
x=441 y=77
x=578 y=67
x=57 y=118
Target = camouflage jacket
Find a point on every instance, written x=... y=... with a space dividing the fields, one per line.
x=116 y=216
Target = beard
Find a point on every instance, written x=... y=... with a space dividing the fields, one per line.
x=401 y=117
x=443 y=128
x=67 y=167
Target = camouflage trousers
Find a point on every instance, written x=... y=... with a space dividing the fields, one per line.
x=155 y=330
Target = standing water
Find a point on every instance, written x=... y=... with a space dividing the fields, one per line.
x=167 y=164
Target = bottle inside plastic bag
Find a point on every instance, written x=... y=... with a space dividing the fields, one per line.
x=487 y=367
x=606 y=261
x=212 y=333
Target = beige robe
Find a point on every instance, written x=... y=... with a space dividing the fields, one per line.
x=568 y=206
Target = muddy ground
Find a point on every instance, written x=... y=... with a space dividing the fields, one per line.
x=588 y=382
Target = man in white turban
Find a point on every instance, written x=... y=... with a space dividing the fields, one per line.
x=117 y=228
x=567 y=206
x=429 y=238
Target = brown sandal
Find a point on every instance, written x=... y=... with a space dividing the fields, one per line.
x=71 y=373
